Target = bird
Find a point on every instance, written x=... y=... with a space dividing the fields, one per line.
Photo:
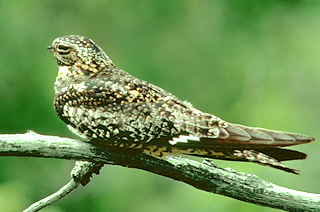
x=115 y=110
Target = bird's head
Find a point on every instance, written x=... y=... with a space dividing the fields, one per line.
x=70 y=49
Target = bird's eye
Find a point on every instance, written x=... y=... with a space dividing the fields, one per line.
x=63 y=49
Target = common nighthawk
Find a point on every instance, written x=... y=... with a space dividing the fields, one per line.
x=111 y=108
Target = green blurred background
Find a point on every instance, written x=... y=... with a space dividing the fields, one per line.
x=250 y=62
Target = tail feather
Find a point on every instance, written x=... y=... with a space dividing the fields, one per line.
x=283 y=154
x=264 y=156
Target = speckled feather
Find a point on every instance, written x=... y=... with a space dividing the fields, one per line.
x=111 y=108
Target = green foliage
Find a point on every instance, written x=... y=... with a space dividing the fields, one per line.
x=249 y=62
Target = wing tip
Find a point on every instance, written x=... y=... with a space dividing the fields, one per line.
x=261 y=136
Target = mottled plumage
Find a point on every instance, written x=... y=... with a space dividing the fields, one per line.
x=111 y=108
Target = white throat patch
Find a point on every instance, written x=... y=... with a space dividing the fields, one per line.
x=63 y=71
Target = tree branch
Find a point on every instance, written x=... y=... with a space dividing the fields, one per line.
x=205 y=176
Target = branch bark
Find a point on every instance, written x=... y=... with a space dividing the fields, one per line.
x=205 y=176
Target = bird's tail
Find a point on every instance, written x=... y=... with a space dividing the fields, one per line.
x=241 y=143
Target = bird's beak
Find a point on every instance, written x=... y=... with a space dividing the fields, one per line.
x=50 y=48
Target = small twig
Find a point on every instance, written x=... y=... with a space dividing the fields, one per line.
x=70 y=186
x=80 y=174
x=205 y=176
